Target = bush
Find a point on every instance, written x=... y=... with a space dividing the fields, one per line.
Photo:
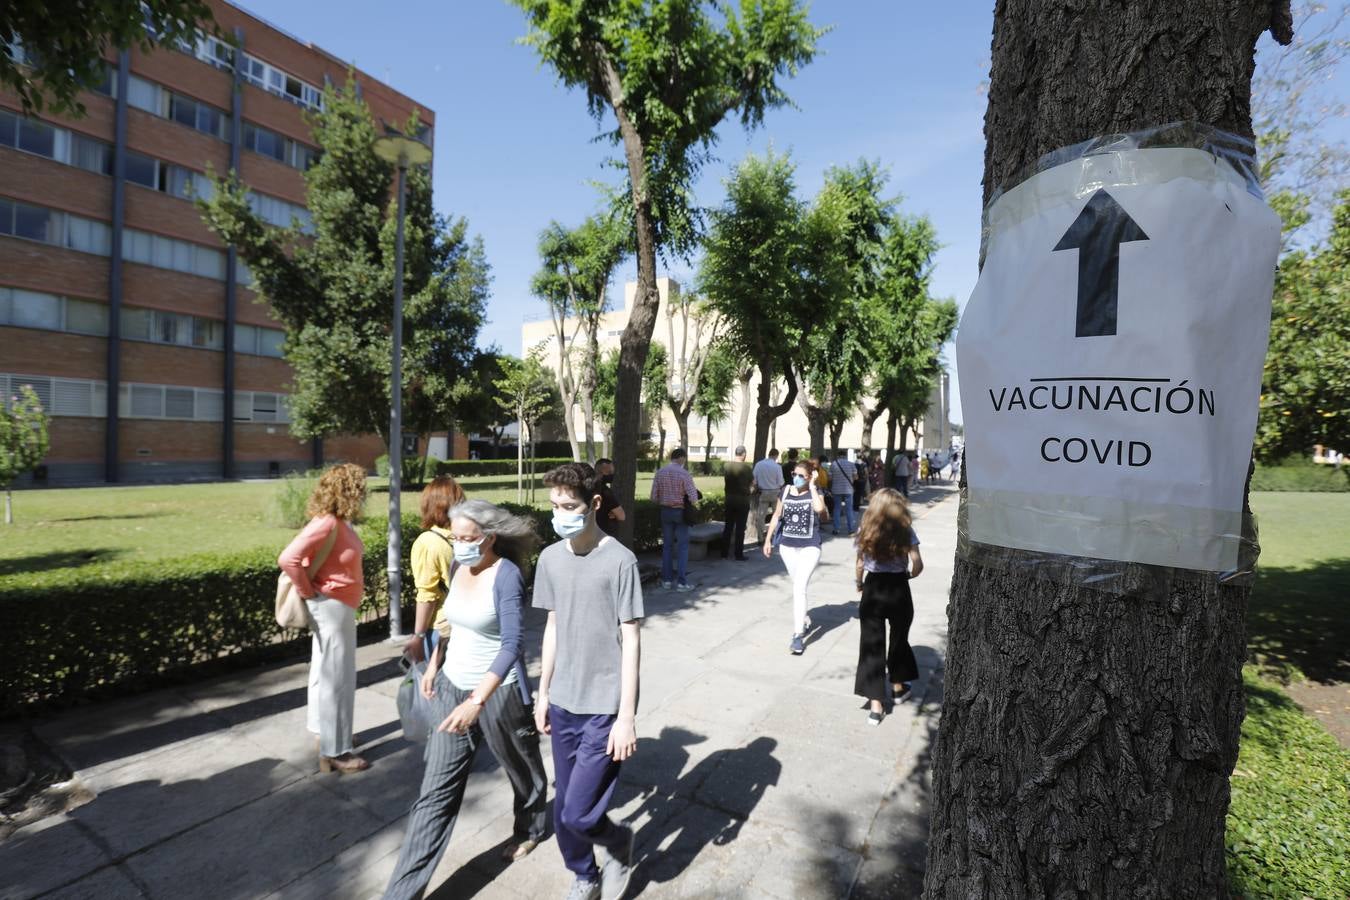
x=292 y=496
x=416 y=469
x=469 y=468
x=66 y=634
x=1288 y=831
x=1299 y=474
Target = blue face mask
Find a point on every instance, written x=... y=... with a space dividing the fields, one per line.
x=799 y=481
x=569 y=525
x=469 y=554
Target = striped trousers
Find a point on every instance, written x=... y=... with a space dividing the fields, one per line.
x=507 y=726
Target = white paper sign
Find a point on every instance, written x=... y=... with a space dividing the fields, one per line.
x=1110 y=359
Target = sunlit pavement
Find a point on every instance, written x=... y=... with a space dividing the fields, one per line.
x=756 y=773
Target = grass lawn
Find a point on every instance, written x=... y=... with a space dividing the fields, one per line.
x=78 y=527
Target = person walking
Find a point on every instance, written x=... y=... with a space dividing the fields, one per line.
x=956 y=465
x=859 y=487
x=823 y=483
x=887 y=558
x=672 y=489
x=588 y=682
x=331 y=599
x=611 y=510
x=799 y=507
x=769 y=484
x=789 y=463
x=876 y=474
x=432 y=557
x=842 y=475
x=478 y=687
x=737 y=481
x=902 y=472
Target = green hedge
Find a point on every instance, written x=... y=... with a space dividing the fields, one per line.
x=1298 y=474
x=68 y=634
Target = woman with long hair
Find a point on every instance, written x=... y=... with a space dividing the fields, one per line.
x=432 y=557
x=888 y=557
x=477 y=683
x=332 y=598
x=799 y=507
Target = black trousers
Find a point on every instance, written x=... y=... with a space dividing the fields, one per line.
x=733 y=532
x=885 y=599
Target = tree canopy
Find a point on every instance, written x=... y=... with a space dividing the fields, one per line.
x=333 y=290
x=23 y=439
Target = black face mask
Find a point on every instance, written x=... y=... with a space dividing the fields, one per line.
x=607 y=479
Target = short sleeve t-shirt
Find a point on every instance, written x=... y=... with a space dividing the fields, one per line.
x=591 y=596
x=891 y=565
x=801 y=524
x=608 y=503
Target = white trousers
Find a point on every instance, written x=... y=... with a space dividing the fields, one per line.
x=801 y=564
x=332 y=675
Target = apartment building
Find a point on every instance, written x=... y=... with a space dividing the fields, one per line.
x=933 y=432
x=137 y=328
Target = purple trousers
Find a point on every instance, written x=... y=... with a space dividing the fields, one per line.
x=584 y=775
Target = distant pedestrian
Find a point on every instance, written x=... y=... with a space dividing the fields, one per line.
x=789 y=464
x=823 y=483
x=902 y=472
x=956 y=466
x=842 y=476
x=799 y=507
x=673 y=489
x=480 y=692
x=768 y=485
x=876 y=473
x=737 y=480
x=859 y=486
x=332 y=598
x=432 y=557
x=611 y=510
x=588 y=681
x=887 y=558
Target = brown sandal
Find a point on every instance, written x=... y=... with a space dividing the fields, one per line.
x=346 y=764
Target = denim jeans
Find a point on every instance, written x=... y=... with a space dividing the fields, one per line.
x=674 y=544
x=843 y=511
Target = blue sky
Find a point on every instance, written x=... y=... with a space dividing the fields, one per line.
x=895 y=82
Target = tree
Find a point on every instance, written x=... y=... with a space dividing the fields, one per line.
x=48 y=55
x=527 y=391
x=668 y=71
x=473 y=399
x=1086 y=738
x=655 y=391
x=333 y=290
x=751 y=273
x=699 y=325
x=23 y=441
x=712 y=400
x=1305 y=390
x=574 y=282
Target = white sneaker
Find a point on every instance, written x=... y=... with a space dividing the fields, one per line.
x=667 y=585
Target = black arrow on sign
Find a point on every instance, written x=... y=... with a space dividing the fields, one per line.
x=1097 y=234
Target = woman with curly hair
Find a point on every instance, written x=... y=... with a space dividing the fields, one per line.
x=332 y=598
x=888 y=557
x=478 y=687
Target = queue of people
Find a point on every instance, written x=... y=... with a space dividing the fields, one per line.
x=471 y=565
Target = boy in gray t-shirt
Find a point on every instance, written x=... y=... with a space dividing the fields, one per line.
x=588 y=686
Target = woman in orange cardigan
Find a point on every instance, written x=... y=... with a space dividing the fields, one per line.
x=332 y=598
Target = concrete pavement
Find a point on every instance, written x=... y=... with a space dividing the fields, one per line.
x=756 y=774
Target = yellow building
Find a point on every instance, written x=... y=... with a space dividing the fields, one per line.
x=680 y=338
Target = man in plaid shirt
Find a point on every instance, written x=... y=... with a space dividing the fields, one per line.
x=671 y=487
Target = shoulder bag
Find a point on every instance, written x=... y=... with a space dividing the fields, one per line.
x=290 y=609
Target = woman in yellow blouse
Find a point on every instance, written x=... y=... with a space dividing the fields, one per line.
x=432 y=556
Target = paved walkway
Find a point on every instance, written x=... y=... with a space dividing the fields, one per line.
x=756 y=774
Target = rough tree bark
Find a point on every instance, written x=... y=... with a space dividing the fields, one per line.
x=743 y=415
x=767 y=411
x=1086 y=738
x=869 y=418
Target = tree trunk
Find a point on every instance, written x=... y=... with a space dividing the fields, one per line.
x=588 y=413
x=869 y=419
x=1086 y=738
x=890 y=441
x=836 y=432
x=743 y=416
x=904 y=433
x=767 y=411
x=707 y=451
x=661 y=448
x=682 y=426
x=9 y=506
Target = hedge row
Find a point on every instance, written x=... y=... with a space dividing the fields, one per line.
x=1298 y=474
x=468 y=468
x=134 y=626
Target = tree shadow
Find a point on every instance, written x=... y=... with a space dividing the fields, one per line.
x=106 y=517
x=1297 y=619
x=58 y=559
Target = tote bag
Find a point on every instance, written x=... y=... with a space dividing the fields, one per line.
x=290 y=609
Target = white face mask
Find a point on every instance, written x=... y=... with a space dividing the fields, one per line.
x=469 y=554
x=569 y=525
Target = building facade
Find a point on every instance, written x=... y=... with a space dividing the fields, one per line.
x=791 y=430
x=136 y=327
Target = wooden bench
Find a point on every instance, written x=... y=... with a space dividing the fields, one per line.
x=700 y=536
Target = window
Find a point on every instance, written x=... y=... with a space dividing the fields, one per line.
x=147 y=401
x=9 y=129
x=6 y=310
x=6 y=216
x=142 y=170
x=88 y=236
x=90 y=155
x=264 y=407
x=210 y=406
x=83 y=317
x=144 y=95
x=243 y=406
x=72 y=398
x=245 y=339
x=107 y=82
x=269 y=342
x=173 y=328
x=35 y=310
x=34 y=223
x=136 y=324
x=37 y=137
x=41 y=386
x=208 y=333
x=179 y=403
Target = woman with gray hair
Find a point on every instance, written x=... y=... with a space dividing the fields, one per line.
x=476 y=681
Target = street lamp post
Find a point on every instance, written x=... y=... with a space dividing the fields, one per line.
x=402 y=151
